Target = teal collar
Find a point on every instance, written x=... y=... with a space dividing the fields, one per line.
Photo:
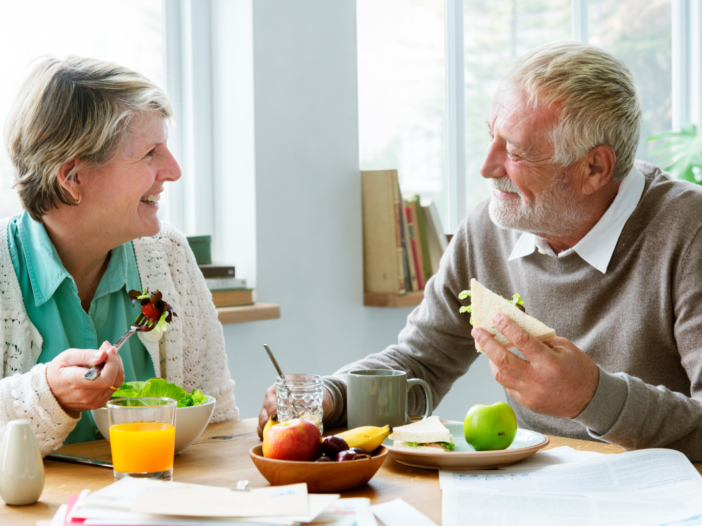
x=45 y=268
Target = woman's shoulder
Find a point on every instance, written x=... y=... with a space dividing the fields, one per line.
x=168 y=246
x=169 y=241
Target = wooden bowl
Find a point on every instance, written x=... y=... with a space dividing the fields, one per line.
x=321 y=477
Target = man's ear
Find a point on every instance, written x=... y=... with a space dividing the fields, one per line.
x=599 y=168
x=70 y=183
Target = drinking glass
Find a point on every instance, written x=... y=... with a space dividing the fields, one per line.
x=305 y=390
x=142 y=437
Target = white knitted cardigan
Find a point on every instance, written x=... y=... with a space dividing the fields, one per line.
x=191 y=353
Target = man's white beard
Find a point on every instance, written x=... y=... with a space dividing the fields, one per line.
x=555 y=212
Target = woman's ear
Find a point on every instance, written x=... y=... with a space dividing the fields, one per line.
x=70 y=180
x=599 y=170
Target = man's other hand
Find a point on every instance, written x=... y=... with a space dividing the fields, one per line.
x=270 y=406
x=556 y=379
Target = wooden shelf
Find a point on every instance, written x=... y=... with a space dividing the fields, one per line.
x=255 y=312
x=410 y=299
x=394 y=301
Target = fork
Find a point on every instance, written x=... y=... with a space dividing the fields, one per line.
x=142 y=324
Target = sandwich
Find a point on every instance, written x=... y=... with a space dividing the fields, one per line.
x=428 y=434
x=485 y=304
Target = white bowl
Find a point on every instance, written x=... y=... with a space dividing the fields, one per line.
x=190 y=422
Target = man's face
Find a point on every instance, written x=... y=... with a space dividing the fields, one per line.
x=529 y=193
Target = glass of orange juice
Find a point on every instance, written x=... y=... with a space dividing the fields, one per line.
x=142 y=437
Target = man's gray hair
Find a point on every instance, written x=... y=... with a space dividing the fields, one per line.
x=78 y=108
x=594 y=95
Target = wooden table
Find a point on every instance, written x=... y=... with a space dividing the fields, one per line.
x=220 y=458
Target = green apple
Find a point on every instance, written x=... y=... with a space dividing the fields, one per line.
x=490 y=427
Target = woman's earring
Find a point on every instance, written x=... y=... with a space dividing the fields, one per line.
x=79 y=199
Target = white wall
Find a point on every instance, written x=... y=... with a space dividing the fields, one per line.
x=305 y=207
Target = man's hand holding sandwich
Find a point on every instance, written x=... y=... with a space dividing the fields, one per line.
x=556 y=379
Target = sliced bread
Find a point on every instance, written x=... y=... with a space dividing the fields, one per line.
x=485 y=304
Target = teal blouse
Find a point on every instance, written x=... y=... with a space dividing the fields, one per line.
x=53 y=306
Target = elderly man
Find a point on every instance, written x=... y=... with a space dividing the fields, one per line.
x=605 y=251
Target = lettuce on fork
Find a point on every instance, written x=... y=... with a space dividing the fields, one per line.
x=159 y=387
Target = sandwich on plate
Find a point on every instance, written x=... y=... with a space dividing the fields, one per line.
x=428 y=435
x=485 y=304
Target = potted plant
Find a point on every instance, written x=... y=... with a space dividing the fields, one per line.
x=682 y=151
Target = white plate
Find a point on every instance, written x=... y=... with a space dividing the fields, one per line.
x=525 y=444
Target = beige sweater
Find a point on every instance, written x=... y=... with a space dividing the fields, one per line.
x=191 y=353
x=641 y=322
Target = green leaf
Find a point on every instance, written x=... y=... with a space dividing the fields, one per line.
x=450 y=446
x=161 y=387
x=463 y=295
x=681 y=152
x=162 y=325
x=469 y=308
x=144 y=295
x=517 y=300
x=132 y=389
x=412 y=444
x=199 y=397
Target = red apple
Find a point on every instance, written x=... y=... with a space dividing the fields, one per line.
x=293 y=440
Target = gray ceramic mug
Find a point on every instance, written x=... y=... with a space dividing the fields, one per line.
x=378 y=397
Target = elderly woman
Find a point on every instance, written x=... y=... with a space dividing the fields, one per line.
x=88 y=142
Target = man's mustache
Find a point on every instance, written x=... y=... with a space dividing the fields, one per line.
x=505 y=184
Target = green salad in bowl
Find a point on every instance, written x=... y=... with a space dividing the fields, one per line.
x=159 y=387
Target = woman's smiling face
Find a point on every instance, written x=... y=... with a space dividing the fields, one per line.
x=122 y=195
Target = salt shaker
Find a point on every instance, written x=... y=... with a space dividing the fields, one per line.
x=21 y=465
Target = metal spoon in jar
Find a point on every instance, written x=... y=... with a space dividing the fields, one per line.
x=282 y=376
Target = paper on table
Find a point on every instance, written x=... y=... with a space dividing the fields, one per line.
x=204 y=501
x=635 y=470
x=346 y=512
x=398 y=513
x=60 y=516
x=642 y=508
x=557 y=456
x=690 y=521
x=111 y=517
x=113 y=504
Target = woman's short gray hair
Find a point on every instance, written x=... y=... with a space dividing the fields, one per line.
x=594 y=95
x=78 y=108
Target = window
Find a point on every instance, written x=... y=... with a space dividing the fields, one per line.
x=402 y=93
x=402 y=90
x=641 y=38
x=124 y=31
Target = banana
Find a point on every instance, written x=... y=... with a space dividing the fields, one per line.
x=272 y=420
x=366 y=437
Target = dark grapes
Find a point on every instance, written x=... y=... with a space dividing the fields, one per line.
x=324 y=459
x=350 y=454
x=345 y=456
x=333 y=445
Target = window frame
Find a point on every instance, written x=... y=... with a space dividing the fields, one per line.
x=187 y=59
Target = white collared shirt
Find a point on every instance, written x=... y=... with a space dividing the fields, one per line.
x=598 y=245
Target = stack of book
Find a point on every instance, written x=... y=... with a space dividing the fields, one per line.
x=227 y=290
x=403 y=239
